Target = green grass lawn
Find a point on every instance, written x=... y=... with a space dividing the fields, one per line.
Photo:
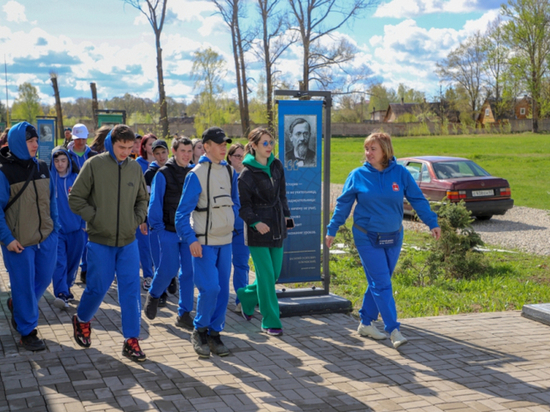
x=522 y=159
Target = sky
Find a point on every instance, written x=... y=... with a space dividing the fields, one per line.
x=112 y=44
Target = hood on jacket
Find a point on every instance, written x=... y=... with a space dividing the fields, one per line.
x=206 y=159
x=73 y=168
x=250 y=160
x=109 y=148
x=17 y=139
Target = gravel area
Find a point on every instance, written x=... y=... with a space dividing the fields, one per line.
x=521 y=228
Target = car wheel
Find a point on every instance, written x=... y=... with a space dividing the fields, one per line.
x=484 y=217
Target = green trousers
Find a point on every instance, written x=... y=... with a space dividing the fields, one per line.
x=268 y=262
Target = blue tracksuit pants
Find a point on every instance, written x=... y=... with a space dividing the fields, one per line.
x=155 y=247
x=30 y=273
x=241 y=254
x=103 y=263
x=211 y=275
x=84 y=259
x=69 y=251
x=145 y=257
x=379 y=265
x=175 y=257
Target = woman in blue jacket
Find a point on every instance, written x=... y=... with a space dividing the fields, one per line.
x=378 y=187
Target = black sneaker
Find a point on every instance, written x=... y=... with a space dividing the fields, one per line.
x=83 y=276
x=32 y=342
x=151 y=305
x=162 y=300
x=173 y=286
x=82 y=332
x=132 y=351
x=216 y=345
x=10 y=307
x=185 y=321
x=200 y=343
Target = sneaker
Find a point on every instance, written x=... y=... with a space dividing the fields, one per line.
x=70 y=296
x=246 y=317
x=32 y=342
x=237 y=308
x=200 y=343
x=371 y=331
x=147 y=283
x=397 y=339
x=151 y=305
x=216 y=345
x=82 y=332
x=10 y=307
x=132 y=351
x=162 y=300
x=185 y=321
x=61 y=301
x=173 y=286
x=83 y=276
x=273 y=331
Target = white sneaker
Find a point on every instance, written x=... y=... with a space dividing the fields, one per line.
x=371 y=331
x=237 y=308
x=397 y=339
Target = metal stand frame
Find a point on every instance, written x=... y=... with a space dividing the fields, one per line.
x=330 y=303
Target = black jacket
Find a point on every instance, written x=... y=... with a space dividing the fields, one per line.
x=264 y=200
x=175 y=176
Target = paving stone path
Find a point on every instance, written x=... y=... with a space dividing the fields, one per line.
x=473 y=362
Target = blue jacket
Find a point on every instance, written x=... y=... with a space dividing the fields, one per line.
x=379 y=196
x=143 y=163
x=62 y=186
x=79 y=160
x=190 y=198
x=18 y=153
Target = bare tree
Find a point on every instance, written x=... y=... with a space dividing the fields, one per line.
x=155 y=13
x=528 y=34
x=496 y=64
x=230 y=11
x=272 y=45
x=464 y=66
x=316 y=20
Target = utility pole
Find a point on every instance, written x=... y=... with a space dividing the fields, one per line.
x=60 y=131
x=7 y=101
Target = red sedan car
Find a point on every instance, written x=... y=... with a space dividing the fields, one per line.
x=459 y=179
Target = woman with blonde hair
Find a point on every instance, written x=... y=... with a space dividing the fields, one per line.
x=264 y=209
x=378 y=187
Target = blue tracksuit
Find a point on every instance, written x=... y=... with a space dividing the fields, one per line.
x=31 y=270
x=71 y=235
x=153 y=236
x=241 y=255
x=175 y=256
x=379 y=208
x=213 y=270
x=144 y=163
x=144 y=241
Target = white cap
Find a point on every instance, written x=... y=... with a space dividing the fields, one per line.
x=80 y=131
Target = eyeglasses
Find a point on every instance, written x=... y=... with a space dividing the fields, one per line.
x=268 y=143
x=237 y=156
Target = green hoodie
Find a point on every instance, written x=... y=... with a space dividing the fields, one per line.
x=250 y=160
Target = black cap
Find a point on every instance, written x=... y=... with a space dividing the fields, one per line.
x=159 y=143
x=215 y=134
x=30 y=132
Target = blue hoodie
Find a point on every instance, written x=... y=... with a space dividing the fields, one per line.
x=63 y=184
x=79 y=160
x=17 y=151
x=143 y=163
x=190 y=198
x=379 y=196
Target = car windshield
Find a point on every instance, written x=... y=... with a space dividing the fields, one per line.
x=457 y=169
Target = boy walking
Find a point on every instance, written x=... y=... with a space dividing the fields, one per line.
x=174 y=253
x=71 y=240
x=204 y=220
x=111 y=196
x=28 y=229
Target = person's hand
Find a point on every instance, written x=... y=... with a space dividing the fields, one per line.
x=262 y=228
x=15 y=246
x=329 y=240
x=436 y=232
x=196 y=249
x=143 y=228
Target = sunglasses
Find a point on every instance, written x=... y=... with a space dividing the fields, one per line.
x=268 y=143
